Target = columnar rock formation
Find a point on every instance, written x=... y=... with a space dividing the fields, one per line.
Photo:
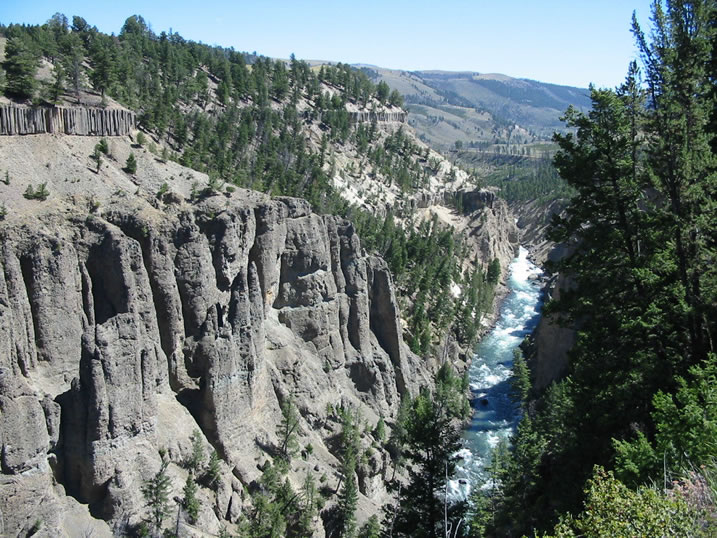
x=360 y=117
x=19 y=120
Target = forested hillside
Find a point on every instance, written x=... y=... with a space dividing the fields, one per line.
x=624 y=443
x=275 y=126
x=284 y=343
x=273 y=329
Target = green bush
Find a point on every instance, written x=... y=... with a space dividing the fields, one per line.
x=131 y=164
x=41 y=193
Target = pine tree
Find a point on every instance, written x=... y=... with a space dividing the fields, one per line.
x=131 y=164
x=103 y=64
x=72 y=54
x=196 y=459
x=433 y=438
x=520 y=381
x=370 y=529
x=348 y=496
x=288 y=428
x=156 y=491
x=493 y=274
x=213 y=469
x=190 y=501
x=20 y=66
x=309 y=503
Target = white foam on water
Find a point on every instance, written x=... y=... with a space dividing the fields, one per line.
x=493 y=439
x=491 y=380
x=491 y=366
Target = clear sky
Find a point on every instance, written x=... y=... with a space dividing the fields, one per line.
x=572 y=42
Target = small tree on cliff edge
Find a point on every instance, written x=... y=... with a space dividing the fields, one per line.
x=156 y=492
x=288 y=429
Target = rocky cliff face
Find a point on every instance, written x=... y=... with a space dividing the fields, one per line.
x=20 y=120
x=397 y=117
x=553 y=340
x=125 y=328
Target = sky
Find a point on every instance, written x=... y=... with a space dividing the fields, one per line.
x=574 y=42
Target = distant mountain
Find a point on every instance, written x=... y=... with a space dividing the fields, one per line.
x=480 y=109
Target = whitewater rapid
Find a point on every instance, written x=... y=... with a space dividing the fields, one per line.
x=495 y=416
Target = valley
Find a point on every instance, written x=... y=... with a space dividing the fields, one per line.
x=261 y=297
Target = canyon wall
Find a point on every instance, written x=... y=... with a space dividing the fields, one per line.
x=120 y=333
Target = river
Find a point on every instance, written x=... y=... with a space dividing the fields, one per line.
x=494 y=414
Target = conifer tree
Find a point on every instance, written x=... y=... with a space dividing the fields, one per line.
x=196 y=459
x=288 y=428
x=131 y=164
x=20 y=66
x=190 y=501
x=348 y=496
x=433 y=438
x=156 y=491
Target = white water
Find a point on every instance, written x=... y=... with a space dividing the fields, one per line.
x=494 y=414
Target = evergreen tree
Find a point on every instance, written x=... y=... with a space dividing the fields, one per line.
x=213 y=469
x=156 y=491
x=288 y=429
x=196 y=459
x=190 y=501
x=433 y=438
x=72 y=55
x=370 y=529
x=493 y=274
x=644 y=286
x=309 y=504
x=520 y=381
x=103 y=63
x=348 y=496
x=20 y=66
x=131 y=164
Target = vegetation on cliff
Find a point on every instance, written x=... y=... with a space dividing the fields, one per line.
x=639 y=394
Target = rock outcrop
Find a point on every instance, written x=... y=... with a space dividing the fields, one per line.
x=476 y=199
x=383 y=117
x=20 y=120
x=123 y=331
x=553 y=340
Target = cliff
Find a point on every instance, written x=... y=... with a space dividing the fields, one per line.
x=553 y=340
x=20 y=120
x=128 y=321
x=360 y=117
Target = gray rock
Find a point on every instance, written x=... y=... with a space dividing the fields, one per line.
x=109 y=325
x=20 y=120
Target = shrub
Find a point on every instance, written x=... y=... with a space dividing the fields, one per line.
x=131 y=164
x=41 y=193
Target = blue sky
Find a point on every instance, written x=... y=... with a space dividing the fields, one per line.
x=565 y=42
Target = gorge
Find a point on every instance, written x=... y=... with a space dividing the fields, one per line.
x=249 y=296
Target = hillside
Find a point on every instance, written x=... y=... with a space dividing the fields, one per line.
x=481 y=110
x=167 y=296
